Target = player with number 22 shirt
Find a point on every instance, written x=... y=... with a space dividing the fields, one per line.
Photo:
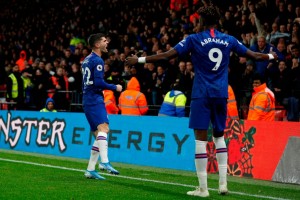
x=93 y=104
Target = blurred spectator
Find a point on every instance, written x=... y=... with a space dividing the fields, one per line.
x=132 y=101
x=246 y=88
x=15 y=89
x=147 y=26
x=75 y=41
x=293 y=100
x=107 y=72
x=110 y=102
x=275 y=34
x=61 y=85
x=181 y=75
x=40 y=87
x=85 y=53
x=28 y=86
x=266 y=68
x=49 y=106
x=282 y=49
x=147 y=81
x=21 y=61
x=262 y=105
x=75 y=83
x=178 y=5
x=174 y=103
x=232 y=111
x=247 y=39
x=162 y=85
x=295 y=34
x=228 y=24
x=189 y=72
x=75 y=78
x=282 y=83
x=126 y=74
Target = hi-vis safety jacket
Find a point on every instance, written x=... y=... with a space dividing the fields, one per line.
x=110 y=102
x=15 y=86
x=262 y=105
x=132 y=101
x=173 y=105
x=232 y=112
x=46 y=106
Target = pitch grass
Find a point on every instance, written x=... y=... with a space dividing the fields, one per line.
x=28 y=181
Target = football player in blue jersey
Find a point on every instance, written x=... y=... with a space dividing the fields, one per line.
x=210 y=52
x=93 y=104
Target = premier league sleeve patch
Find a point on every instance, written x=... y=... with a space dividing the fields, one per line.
x=99 y=67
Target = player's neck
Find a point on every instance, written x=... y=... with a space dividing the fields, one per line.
x=211 y=27
x=98 y=52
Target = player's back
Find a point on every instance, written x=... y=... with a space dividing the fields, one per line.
x=210 y=54
x=92 y=68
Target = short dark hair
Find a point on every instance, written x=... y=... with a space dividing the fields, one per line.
x=258 y=76
x=209 y=14
x=295 y=47
x=95 y=38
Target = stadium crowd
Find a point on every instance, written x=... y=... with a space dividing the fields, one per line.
x=47 y=41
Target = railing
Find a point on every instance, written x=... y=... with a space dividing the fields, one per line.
x=75 y=105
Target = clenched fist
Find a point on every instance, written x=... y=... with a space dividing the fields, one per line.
x=119 y=88
x=131 y=60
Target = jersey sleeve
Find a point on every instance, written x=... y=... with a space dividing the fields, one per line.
x=184 y=46
x=99 y=77
x=238 y=47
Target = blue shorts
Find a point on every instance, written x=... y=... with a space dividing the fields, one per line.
x=204 y=110
x=95 y=114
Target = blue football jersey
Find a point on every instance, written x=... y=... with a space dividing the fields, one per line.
x=210 y=54
x=93 y=80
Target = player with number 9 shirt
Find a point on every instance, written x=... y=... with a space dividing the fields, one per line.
x=209 y=52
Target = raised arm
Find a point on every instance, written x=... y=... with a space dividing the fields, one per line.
x=261 y=56
x=172 y=53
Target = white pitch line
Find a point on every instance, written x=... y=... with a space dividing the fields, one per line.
x=138 y=179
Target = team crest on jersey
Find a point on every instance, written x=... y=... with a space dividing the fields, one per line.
x=99 y=67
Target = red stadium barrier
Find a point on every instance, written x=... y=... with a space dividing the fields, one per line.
x=256 y=148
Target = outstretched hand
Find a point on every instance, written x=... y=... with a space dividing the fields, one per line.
x=131 y=60
x=275 y=55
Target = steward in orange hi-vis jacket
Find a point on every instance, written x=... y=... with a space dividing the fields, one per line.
x=132 y=101
x=110 y=102
x=232 y=112
x=262 y=105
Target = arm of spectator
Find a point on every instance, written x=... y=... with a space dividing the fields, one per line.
x=297 y=20
x=180 y=105
x=141 y=102
x=252 y=40
x=9 y=88
x=112 y=107
x=258 y=25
